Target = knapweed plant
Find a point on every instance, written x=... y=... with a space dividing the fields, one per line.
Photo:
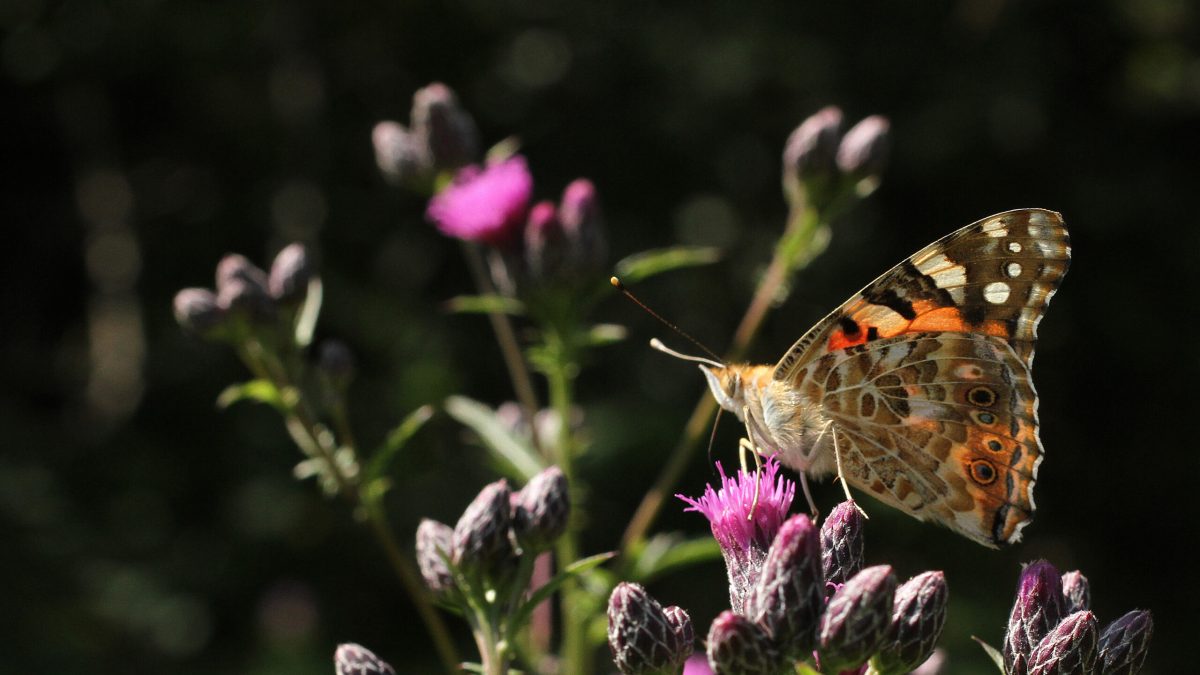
x=800 y=596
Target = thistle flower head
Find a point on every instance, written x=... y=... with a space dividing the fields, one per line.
x=744 y=540
x=918 y=617
x=447 y=130
x=540 y=509
x=738 y=646
x=1125 y=642
x=856 y=619
x=433 y=542
x=290 y=274
x=196 y=311
x=1038 y=609
x=842 y=543
x=352 y=659
x=1069 y=649
x=1077 y=593
x=681 y=623
x=579 y=213
x=864 y=149
x=480 y=541
x=789 y=596
x=812 y=148
x=642 y=636
x=484 y=204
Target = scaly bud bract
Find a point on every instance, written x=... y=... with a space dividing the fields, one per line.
x=738 y=646
x=480 y=542
x=790 y=595
x=1077 y=594
x=401 y=156
x=810 y=155
x=446 y=128
x=864 y=149
x=1069 y=649
x=640 y=635
x=433 y=548
x=1125 y=642
x=842 y=543
x=352 y=659
x=196 y=310
x=685 y=634
x=918 y=617
x=541 y=509
x=1038 y=608
x=856 y=619
x=579 y=213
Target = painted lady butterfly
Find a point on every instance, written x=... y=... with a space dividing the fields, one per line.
x=919 y=385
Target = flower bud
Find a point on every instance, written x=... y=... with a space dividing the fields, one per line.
x=640 y=635
x=1038 y=608
x=579 y=213
x=448 y=131
x=790 y=595
x=352 y=659
x=856 y=619
x=480 y=542
x=545 y=242
x=196 y=310
x=810 y=153
x=242 y=288
x=400 y=155
x=235 y=266
x=918 y=616
x=864 y=149
x=1069 y=649
x=842 y=543
x=685 y=635
x=1125 y=642
x=540 y=509
x=290 y=274
x=737 y=646
x=434 y=542
x=1077 y=594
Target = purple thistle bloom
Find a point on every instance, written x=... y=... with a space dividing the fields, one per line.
x=352 y=659
x=744 y=541
x=1069 y=649
x=484 y=205
x=1124 y=643
x=789 y=596
x=842 y=543
x=1038 y=609
x=737 y=646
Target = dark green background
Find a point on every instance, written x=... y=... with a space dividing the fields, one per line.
x=144 y=531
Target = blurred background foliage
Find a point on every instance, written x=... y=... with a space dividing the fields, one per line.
x=146 y=531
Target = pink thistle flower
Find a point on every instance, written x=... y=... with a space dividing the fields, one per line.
x=745 y=541
x=484 y=204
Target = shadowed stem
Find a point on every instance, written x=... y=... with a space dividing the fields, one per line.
x=792 y=253
x=518 y=371
x=307 y=433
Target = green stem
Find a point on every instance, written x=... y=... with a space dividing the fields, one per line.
x=792 y=252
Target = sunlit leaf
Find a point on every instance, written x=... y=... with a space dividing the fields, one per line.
x=645 y=264
x=605 y=334
x=485 y=304
x=262 y=391
x=306 y=321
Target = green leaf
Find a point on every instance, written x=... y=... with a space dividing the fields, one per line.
x=992 y=652
x=521 y=616
x=646 y=264
x=262 y=391
x=513 y=453
x=485 y=304
x=396 y=440
x=604 y=334
x=805 y=669
x=665 y=553
x=306 y=321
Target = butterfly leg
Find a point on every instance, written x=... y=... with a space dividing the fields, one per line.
x=837 y=457
x=755 y=451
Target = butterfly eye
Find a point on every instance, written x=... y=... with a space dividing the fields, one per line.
x=983 y=472
x=981 y=396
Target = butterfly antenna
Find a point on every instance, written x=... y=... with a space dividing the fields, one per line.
x=716 y=360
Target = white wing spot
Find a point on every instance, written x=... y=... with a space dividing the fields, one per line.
x=1013 y=269
x=996 y=292
x=995 y=228
x=1014 y=246
x=1035 y=230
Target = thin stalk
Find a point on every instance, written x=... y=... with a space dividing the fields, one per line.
x=790 y=254
x=302 y=424
x=510 y=350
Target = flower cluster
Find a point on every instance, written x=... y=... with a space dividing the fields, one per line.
x=800 y=593
x=644 y=636
x=442 y=138
x=1052 y=629
x=246 y=298
x=820 y=163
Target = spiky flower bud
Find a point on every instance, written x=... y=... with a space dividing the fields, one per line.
x=1038 y=608
x=1069 y=649
x=579 y=213
x=352 y=659
x=448 y=130
x=1077 y=593
x=433 y=542
x=1125 y=642
x=842 y=543
x=685 y=634
x=738 y=646
x=480 y=542
x=290 y=274
x=640 y=634
x=540 y=510
x=790 y=595
x=918 y=616
x=864 y=149
x=856 y=619
x=399 y=153
x=545 y=242
x=196 y=310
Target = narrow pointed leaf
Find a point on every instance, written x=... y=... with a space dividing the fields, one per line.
x=306 y=320
x=262 y=391
x=514 y=454
x=485 y=304
x=646 y=264
x=521 y=616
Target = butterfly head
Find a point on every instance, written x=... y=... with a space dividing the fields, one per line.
x=726 y=383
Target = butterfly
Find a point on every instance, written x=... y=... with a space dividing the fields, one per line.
x=918 y=389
